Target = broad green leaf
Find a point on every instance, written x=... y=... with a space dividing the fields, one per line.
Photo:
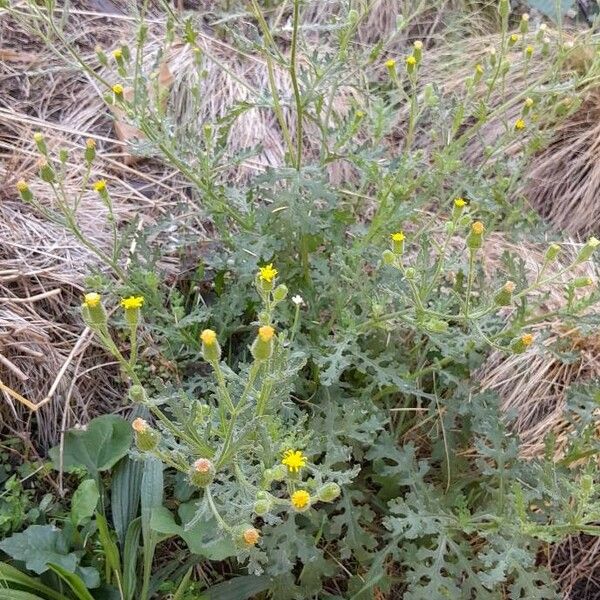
x=162 y=521
x=8 y=594
x=74 y=582
x=38 y=546
x=125 y=494
x=84 y=501
x=98 y=447
x=130 y=556
x=9 y=574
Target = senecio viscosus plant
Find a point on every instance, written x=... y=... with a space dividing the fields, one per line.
x=242 y=451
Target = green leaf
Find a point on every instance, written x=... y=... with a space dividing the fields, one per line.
x=111 y=551
x=125 y=494
x=38 y=546
x=9 y=574
x=130 y=555
x=74 y=582
x=98 y=447
x=84 y=501
x=239 y=588
x=17 y=595
x=162 y=521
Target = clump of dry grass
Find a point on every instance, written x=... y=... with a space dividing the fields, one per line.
x=575 y=564
x=563 y=181
x=533 y=385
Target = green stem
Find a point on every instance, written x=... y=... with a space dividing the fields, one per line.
x=296 y=87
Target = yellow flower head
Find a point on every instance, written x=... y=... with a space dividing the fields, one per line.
x=92 y=300
x=390 y=63
x=140 y=425
x=411 y=61
x=529 y=51
x=90 y=143
x=100 y=185
x=300 y=499
x=527 y=339
x=38 y=137
x=267 y=273
x=266 y=333
x=479 y=69
x=398 y=236
x=460 y=202
x=514 y=38
x=528 y=102
x=520 y=124
x=294 y=460
x=208 y=337
x=117 y=54
x=133 y=302
x=22 y=186
x=477 y=228
x=359 y=114
x=117 y=89
x=251 y=536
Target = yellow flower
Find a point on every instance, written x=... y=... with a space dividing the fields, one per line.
x=267 y=273
x=514 y=38
x=520 y=124
x=266 y=333
x=22 y=186
x=390 y=63
x=529 y=51
x=208 y=337
x=479 y=69
x=100 y=185
x=527 y=339
x=460 y=202
x=300 y=499
x=411 y=61
x=117 y=89
x=117 y=54
x=251 y=536
x=140 y=425
x=90 y=143
x=294 y=460
x=398 y=236
x=528 y=102
x=477 y=228
x=132 y=302
x=38 y=137
x=91 y=300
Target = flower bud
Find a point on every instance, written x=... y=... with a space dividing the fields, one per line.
x=520 y=344
x=504 y=8
x=262 y=348
x=118 y=90
x=398 y=242
x=328 y=492
x=92 y=309
x=132 y=307
x=201 y=473
x=528 y=52
x=262 y=506
x=47 y=172
x=457 y=209
x=524 y=24
x=527 y=105
x=146 y=438
x=246 y=536
x=276 y=473
x=390 y=65
x=280 y=293
x=586 y=252
x=475 y=237
x=90 y=150
x=552 y=252
x=101 y=55
x=211 y=351
x=40 y=142
x=581 y=282
x=411 y=64
x=418 y=50
x=504 y=296
x=512 y=40
x=137 y=393
x=24 y=191
x=388 y=257
x=352 y=17
x=410 y=273
x=436 y=325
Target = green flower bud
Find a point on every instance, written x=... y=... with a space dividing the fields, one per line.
x=90 y=150
x=352 y=17
x=504 y=8
x=280 y=293
x=457 y=208
x=388 y=257
x=475 y=237
x=93 y=311
x=262 y=507
x=581 y=282
x=211 y=351
x=137 y=393
x=47 y=172
x=24 y=191
x=524 y=24
x=418 y=50
x=398 y=242
x=328 y=492
x=520 y=344
x=586 y=252
x=146 y=438
x=411 y=64
x=552 y=252
x=262 y=348
x=40 y=142
x=201 y=473
x=504 y=296
x=436 y=325
x=100 y=54
x=245 y=536
x=410 y=273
